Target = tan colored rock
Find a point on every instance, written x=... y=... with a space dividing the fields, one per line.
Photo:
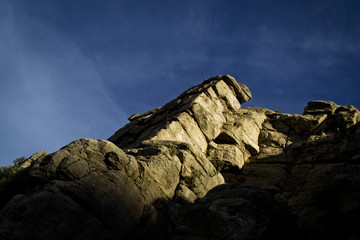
x=177 y=169
x=163 y=175
x=197 y=138
x=347 y=116
x=209 y=116
x=315 y=107
x=224 y=156
x=197 y=174
x=244 y=128
x=197 y=113
x=243 y=94
x=159 y=171
x=306 y=162
x=222 y=90
x=96 y=178
x=70 y=186
x=32 y=158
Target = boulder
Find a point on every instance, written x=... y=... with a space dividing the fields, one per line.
x=315 y=107
x=61 y=194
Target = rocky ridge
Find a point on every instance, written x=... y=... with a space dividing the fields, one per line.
x=200 y=167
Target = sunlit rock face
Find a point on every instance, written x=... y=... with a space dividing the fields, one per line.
x=200 y=167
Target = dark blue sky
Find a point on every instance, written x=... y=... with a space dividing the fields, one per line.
x=78 y=68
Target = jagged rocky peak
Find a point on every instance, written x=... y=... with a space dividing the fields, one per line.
x=200 y=167
x=195 y=117
x=276 y=152
x=207 y=117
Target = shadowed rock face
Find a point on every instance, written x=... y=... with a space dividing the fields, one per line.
x=235 y=211
x=200 y=167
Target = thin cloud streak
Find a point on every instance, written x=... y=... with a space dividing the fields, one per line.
x=53 y=94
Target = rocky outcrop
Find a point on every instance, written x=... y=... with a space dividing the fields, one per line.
x=310 y=163
x=200 y=167
x=208 y=117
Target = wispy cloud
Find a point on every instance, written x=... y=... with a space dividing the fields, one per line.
x=101 y=63
x=50 y=91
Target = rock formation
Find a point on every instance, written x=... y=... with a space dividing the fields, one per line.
x=200 y=167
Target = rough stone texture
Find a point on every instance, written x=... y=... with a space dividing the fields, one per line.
x=196 y=117
x=235 y=211
x=33 y=157
x=162 y=175
x=95 y=180
x=72 y=187
x=315 y=107
x=310 y=164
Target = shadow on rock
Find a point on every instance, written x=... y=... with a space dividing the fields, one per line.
x=231 y=211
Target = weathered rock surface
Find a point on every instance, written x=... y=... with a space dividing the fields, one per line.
x=200 y=167
x=310 y=163
x=196 y=117
x=235 y=211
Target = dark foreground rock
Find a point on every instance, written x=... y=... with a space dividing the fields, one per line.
x=200 y=167
x=235 y=211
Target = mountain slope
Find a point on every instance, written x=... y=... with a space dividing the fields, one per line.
x=200 y=167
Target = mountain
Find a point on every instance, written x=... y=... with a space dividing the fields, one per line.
x=200 y=167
